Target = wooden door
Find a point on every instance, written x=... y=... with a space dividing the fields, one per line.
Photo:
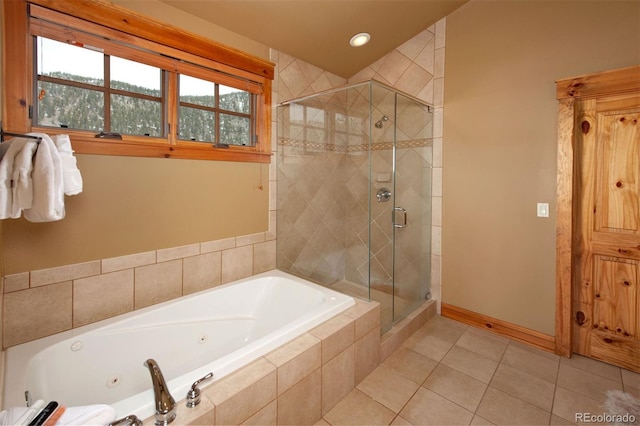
x=606 y=247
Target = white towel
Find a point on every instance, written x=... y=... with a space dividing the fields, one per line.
x=11 y=416
x=15 y=145
x=15 y=416
x=22 y=190
x=99 y=414
x=88 y=415
x=48 y=190
x=71 y=176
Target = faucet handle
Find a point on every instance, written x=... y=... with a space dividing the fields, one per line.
x=193 y=395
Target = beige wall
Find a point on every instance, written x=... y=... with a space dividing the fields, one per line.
x=132 y=205
x=502 y=61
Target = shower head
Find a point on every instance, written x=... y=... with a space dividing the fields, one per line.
x=379 y=122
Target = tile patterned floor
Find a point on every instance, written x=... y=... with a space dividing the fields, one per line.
x=448 y=373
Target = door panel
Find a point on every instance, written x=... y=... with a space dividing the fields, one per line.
x=607 y=235
x=615 y=309
x=617 y=190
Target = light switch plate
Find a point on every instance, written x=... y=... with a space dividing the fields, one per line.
x=543 y=209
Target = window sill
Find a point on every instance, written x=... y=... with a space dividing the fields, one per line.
x=86 y=143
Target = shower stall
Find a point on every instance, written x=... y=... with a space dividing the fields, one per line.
x=354 y=194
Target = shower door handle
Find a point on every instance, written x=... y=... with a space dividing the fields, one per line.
x=404 y=213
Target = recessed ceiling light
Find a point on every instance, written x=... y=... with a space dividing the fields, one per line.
x=360 y=39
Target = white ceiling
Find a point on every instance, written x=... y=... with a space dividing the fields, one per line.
x=318 y=31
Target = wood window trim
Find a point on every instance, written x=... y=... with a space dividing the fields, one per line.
x=620 y=81
x=199 y=51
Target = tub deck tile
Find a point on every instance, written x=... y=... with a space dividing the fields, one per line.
x=296 y=360
x=336 y=334
x=243 y=393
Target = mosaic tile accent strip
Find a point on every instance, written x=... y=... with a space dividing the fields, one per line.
x=329 y=147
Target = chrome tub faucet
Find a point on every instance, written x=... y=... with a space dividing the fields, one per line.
x=165 y=404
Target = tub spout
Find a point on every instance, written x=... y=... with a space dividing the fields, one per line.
x=165 y=404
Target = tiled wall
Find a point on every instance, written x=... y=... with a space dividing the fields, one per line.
x=416 y=68
x=48 y=301
x=323 y=188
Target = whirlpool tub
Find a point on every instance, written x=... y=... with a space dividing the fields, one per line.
x=217 y=330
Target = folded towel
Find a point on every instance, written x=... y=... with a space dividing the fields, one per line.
x=22 y=191
x=71 y=176
x=11 y=416
x=89 y=415
x=99 y=414
x=13 y=148
x=21 y=415
x=48 y=190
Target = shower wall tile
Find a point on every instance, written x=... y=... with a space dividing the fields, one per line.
x=393 y=66
x=427 y=93
x=413 y=79
x=436 y=185
x=440 y=32
x=436 y=212
x=426 y=57
x=438 y=65
x=416 y=46
x=438 y=92
x=437 y=153
x=296 y=78
x=436 y=240
x=437 y=122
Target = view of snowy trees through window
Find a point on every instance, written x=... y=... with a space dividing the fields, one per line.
x=62 y=105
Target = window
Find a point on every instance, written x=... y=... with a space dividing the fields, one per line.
x=73 y=93
x=134 y=90
x=214 y=112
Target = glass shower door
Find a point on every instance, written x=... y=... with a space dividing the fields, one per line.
x=400 y=213
x=411 y=220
